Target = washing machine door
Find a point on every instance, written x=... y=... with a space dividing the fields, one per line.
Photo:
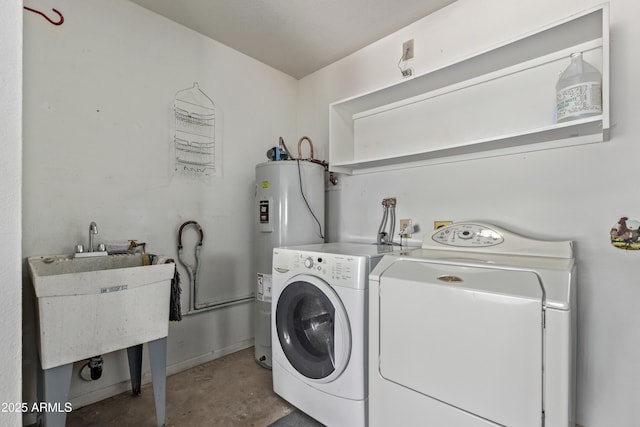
x=313 y=328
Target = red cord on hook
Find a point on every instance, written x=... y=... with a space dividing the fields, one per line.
x=60 y=21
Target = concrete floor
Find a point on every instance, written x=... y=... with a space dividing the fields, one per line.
x=231 y=391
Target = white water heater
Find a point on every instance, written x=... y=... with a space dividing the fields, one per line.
x=288 y=210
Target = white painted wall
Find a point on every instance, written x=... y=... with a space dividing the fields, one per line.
x=98 y=108
x=574 y=193
x=10 y=200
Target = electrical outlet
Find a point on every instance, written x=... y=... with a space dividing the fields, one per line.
x=440 y=224
x=405 y=224
x=407 y=50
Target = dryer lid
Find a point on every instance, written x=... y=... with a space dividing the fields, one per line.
x=510 y=283
x=471 y=337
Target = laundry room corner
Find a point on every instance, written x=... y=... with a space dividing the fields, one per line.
x=473 y=164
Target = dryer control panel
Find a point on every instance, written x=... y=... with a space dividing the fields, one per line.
x=484 y=238
x=467 y=235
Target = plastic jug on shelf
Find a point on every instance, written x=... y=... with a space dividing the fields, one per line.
x=579 y=90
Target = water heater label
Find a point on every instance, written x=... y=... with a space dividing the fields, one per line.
x=264 y=211
x=263 y=290
x=264 y=215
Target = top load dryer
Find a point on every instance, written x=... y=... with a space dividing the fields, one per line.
x=477 y=328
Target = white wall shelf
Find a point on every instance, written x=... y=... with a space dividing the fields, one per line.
x=500 y=101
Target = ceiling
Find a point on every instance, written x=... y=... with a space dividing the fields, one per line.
x=297 y=37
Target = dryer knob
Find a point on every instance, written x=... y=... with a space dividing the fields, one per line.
x=308 y=262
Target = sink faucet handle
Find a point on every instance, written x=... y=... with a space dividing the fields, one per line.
x=93 y=229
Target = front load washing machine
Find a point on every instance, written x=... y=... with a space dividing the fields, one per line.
x=477 y=328
x=319 y=328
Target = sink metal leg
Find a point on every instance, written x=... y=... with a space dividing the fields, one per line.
x=158 y=359
x=55 y=390
x=134 y=354
x=53 y=383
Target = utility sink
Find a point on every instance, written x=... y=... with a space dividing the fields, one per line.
x=95 y=305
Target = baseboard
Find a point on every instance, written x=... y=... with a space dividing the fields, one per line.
x=196 y=361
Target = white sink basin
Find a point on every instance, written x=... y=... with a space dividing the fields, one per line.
x=92 y=306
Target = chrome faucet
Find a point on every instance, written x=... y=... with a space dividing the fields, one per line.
x=93 y=229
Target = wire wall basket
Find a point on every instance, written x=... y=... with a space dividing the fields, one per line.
x=194 y=140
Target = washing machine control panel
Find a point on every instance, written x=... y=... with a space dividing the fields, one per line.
x=467 y=235
x=335 y=269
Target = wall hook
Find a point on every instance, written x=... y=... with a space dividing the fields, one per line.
x=59 y=22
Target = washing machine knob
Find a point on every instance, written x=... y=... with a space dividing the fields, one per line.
x=308 y=262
